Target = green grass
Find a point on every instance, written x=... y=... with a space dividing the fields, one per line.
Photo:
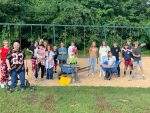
x=76 y=100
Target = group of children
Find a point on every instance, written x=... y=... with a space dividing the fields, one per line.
x=47 y=57
x=130 y=56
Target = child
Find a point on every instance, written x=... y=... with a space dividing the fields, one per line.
x=93 y=51
x=103 y=52
x=55 y=58
x=62 y=54
x=40 y=55
x=109 y=63
x=32 y=49
x=116 y=52
x=17 y=65
x=50 y=62
x=127 y=55
x=137 y=59
x=72 y=53
x=3 y=53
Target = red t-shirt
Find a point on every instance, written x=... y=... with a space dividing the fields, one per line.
x=3 y=53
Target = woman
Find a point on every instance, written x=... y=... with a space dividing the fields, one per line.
x=103 y=52
x=93 y=51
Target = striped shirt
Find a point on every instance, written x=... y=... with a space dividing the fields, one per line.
x=16 y=59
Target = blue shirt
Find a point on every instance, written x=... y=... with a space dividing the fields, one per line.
x=62 y=56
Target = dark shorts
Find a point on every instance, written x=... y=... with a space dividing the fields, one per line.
x=128 y=63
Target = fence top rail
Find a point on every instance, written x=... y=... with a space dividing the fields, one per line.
x=94 y=26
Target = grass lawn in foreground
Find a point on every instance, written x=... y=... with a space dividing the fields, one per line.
x=76 y=100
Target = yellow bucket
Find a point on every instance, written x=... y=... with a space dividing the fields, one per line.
x=64 y=80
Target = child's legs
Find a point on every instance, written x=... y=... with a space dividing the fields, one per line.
x=93 y=64
x=89 y=64
x=37 y=70
x=47 y=73
x=51 y=73
x=135 y=64
x=22 y=79
x=3 y=72
x=42 y=70
x=141 y=67
x=14 y=79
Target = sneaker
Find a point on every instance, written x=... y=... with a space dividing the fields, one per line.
x=2 y=86
x=92 y=74
x=22 y=90
x=143 y=77
x=133 y=76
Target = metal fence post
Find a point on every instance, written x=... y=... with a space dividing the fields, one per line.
x=54 y=34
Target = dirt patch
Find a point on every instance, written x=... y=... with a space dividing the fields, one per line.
x=104 y=106
x=98 y=80
x=48 y=104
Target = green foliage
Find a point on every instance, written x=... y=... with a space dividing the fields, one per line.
x=76 y=12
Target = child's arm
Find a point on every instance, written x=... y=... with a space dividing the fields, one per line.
x=143 y=44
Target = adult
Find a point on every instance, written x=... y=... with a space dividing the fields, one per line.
x=116 y=51
x=3 y=67
x=17 y=65
x=62 y=51
x=93 y=53
x=72 y=53
x=103 y=52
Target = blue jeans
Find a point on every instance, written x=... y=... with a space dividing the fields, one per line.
x=50 y=73
x=14 y=77
x=92 y=61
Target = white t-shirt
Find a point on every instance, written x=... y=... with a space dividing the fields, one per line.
x=103 y=51
x=111 y=60
x=49 y=55
x=71 y=51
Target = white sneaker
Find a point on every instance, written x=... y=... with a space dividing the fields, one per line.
x=92 y=74
x=2 y=86
x=143 y=77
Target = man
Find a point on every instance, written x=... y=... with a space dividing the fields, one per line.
x=17 y=65
x=62 y=57
x=72 y=52
x=3 y=53
x=117 y=53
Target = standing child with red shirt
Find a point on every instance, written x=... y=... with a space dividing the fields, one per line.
x=3 y=68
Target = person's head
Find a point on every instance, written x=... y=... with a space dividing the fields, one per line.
x=45 y=43
x=50 y=48
x=136 y=44
x=55 y=48
x=62 y=44
x=103 y=43
x=5 y=43
x=115 y=44
x=36 y=44
x=16 y=46
x=93 y=44
x=128 y=41
x=41 y=46
x=110 y=54
x=126 y=46
x=72 y=43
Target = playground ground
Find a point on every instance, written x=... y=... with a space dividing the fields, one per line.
x=96 y=80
